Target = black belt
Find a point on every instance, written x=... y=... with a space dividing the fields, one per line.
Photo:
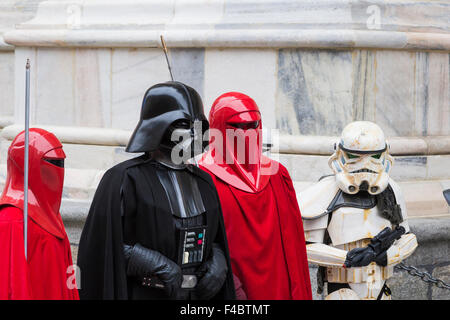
x=189 y=282
x=384 y=290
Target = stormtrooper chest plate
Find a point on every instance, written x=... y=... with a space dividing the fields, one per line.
x=350 y=224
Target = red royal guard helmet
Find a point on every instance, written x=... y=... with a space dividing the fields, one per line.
x=235 y=149
x=45 y=179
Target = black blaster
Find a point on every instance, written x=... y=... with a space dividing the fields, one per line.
x=376 y=250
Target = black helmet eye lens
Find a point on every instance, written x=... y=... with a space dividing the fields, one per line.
x=245 y=125
x=182 y=124
x=56 y=162
x=376 y=156
x=352 y=156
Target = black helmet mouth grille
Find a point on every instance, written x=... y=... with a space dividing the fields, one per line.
x=364 y=170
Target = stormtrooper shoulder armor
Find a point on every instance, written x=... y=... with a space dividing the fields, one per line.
x=315 y=199
x=313 y=203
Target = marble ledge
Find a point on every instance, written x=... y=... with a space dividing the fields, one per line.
x=6 y=121
x=5 y=46
x=234 y=38
x=324 y=145
x=401 y=24
x=284 y=144
x=77 y=135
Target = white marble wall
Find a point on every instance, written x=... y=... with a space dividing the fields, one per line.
x=401 y=24
x=6 y=86
x=300 y=92
x=12 y=12
x=306 y=63
x=406 y=93
x=98 y=87
x=249 y=71
x=104 y=87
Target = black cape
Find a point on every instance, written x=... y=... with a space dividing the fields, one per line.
x=142 y=217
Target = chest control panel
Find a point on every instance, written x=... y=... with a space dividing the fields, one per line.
x=193 y=245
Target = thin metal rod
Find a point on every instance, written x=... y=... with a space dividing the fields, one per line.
x=25 y=176
x=167 y=55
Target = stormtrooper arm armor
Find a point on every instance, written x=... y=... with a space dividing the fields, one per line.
x=325 y=256
x=401 y=249
x=318 y=252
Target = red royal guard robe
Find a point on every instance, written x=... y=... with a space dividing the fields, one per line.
x=266 y=239
x=44 y=276
x=47 y=273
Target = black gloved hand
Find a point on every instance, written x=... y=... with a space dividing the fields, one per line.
x=381 y=259
x=143 y=262
x=361 y=257
x=127 y=253
x=376 y=250
x=215 y=270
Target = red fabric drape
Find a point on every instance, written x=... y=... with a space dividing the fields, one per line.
x=266 y=239
x=44 y=276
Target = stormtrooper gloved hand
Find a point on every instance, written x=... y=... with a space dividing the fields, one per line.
x=361 y=257
x=377 y=249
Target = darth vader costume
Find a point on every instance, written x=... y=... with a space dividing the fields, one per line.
x=155 y=228
x=43 y=274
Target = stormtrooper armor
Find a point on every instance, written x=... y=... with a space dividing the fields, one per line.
x=355 y=221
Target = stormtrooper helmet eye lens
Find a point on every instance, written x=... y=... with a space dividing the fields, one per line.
x=376 y=156
x=352 y=156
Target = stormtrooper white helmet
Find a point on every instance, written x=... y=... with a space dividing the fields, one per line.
x=361 y=160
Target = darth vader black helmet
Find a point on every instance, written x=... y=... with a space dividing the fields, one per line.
x=165 y=104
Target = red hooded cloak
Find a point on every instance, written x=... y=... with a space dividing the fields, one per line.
x=47 y=272
x=262 y=217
